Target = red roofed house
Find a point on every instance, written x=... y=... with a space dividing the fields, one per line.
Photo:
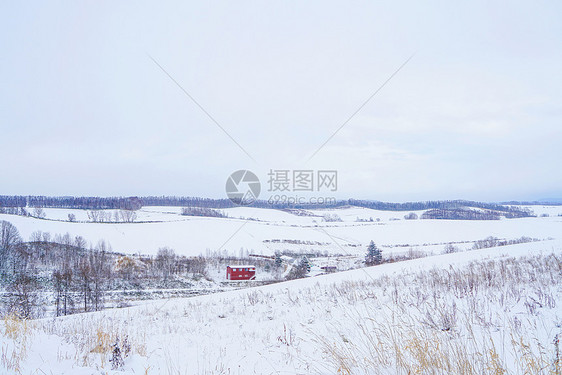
x=244 y=272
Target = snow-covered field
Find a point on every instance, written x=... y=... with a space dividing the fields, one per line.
x=263 y=231
x=493 y=311
x=483 y=311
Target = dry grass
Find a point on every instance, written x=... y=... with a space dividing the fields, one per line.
x=14 y=352
x=486 y=318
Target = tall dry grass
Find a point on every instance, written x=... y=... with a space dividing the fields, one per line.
x=491 y=317
x=19 y=331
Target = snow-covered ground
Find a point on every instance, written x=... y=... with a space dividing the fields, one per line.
x=263 y=231
x=495 y=310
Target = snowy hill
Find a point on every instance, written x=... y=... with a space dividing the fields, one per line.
x=484 y=311
x=263 y=231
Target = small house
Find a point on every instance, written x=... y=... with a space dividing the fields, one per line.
x=244 y=272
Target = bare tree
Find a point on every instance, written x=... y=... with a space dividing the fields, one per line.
x=24 y=290
x=198 y=265
x=71 y=218
x=85 y=279
x=165 y=259
x=36 y=236
x=100 y=273
x=57 y=286
x=46 y=237
x=127 y=216
x=94 y=215
x=38 y=212
x=19 y=258
x=62 y=280
x=9 y=239
x=80 y=242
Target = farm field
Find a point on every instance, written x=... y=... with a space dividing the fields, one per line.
x=264 y=231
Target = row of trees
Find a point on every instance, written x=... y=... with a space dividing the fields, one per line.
x=99 y=203
x=96 y=216
x=439 y=205
x=494 y=241
x=65 y=272
x=461 y=214
x=135 y=203
x=202 y=211
x=119 y=216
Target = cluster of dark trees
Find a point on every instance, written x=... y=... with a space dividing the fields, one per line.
x=300 y=270
x=64 y=272
x=461 y=214
x=464 y=213
x=439 y=205
x=13 y=201
x=202 y=211
x=411 y=216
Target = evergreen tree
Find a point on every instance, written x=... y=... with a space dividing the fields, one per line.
x=300 y=269
x=374 y=255
x=304 y=264
x=278 y=260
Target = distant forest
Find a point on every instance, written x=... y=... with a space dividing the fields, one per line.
x=135 y=203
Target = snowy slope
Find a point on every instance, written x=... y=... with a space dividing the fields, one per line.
x=261 y=228
x=427 y=308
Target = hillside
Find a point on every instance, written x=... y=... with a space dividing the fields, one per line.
x=256 y=229
x=491 y=311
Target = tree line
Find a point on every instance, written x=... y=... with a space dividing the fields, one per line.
x=98 y=203
x=471 y=214
x=135 y=203
x=65 y=272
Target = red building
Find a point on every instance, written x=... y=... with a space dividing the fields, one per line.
x=244 y=272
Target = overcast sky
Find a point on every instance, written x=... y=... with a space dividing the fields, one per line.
x=475 y=114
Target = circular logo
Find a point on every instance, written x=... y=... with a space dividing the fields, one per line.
x=243 y=187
